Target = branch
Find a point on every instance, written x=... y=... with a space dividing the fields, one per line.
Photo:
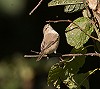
x=87 y=54
x=56 y=21
x=68 y=55
x=36 y=7
x=34 y=56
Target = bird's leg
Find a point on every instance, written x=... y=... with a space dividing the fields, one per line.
x=47 y=58
x=61 y=59
x=55 y=52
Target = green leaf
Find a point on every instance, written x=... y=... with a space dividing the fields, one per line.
x=77 y=62
x=73 y=8
x=75 y=37
x=78 y=80
x=55 y=74
x=81 y=80
x=71 y=70
x=73 y=66
x=63 y=2
x=70 y=5
x=64 y=73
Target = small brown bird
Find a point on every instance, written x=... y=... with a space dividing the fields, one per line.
x=50 y=41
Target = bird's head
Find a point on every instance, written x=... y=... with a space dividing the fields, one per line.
x=47 y=28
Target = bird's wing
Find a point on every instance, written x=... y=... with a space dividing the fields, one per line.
x=49 y=40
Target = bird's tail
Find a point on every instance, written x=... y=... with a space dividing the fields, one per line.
x=40 y=56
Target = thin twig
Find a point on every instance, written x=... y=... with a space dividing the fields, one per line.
x=56 y=21
x=34 y=52
x=87 y=54
x=36 y=7
x=68 y=55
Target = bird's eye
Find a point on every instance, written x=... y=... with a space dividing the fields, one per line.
x=47 y=26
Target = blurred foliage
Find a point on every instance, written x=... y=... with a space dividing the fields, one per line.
x=14 y=73
x=12 y=7
x=23 y=73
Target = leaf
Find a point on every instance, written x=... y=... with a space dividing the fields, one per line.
x=63 y=2
x=70 y=5
x=81 y=80
x=59 y=73
x=77 y=62
x=74 y=80
x=55 y=75
x=73 y=8
x=78 y=80
x=75 y=37
x=86 y=13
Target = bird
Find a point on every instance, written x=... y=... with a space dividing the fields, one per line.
x=50 y=41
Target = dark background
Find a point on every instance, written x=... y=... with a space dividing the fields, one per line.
x=22 y=32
